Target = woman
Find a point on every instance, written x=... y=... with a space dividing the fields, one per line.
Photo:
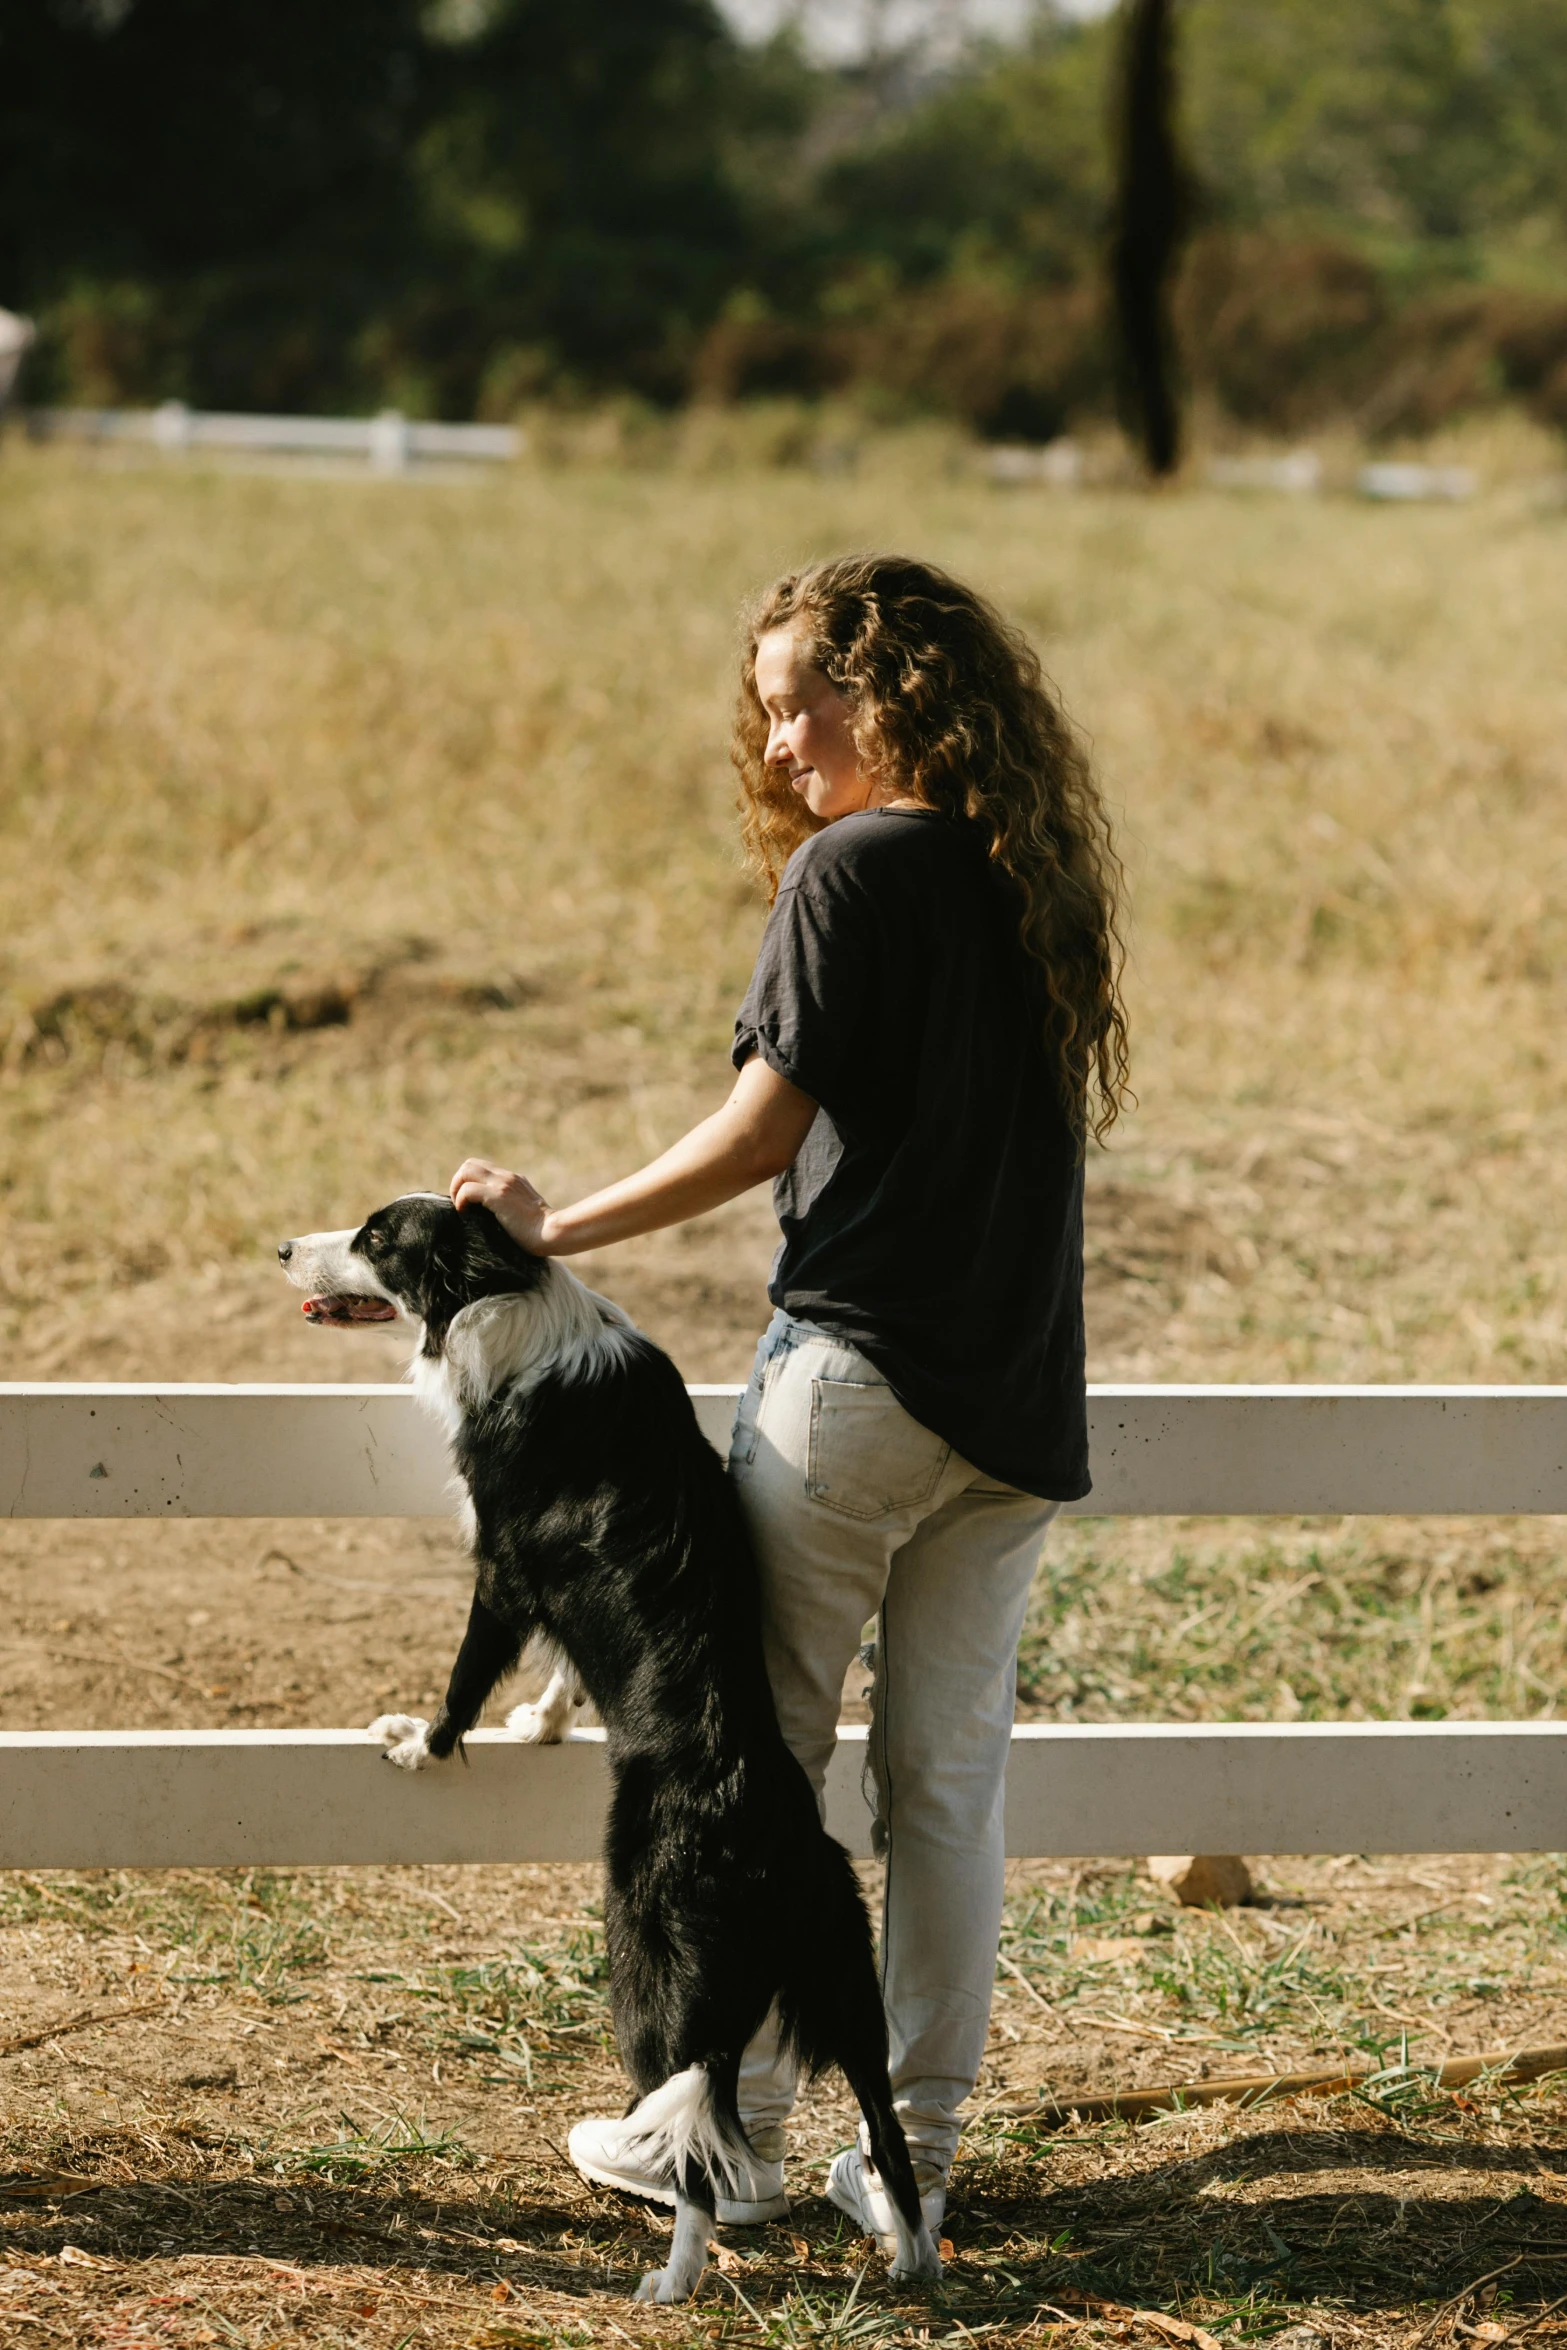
x=932 y=1030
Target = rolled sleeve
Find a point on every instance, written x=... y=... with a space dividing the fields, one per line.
x=810 y=1010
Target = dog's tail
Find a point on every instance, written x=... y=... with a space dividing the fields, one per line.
x=685 y=2124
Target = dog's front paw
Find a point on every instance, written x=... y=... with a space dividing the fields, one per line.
x=406 y=1739
x=661 y=2284
x=538 y=1725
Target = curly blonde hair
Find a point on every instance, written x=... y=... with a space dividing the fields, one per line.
x=952 y=709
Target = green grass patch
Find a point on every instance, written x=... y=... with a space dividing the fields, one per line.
x=358 y=2153
x=1316 y=1625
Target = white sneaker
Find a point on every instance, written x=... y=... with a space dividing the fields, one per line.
x=611 y=2155
x=857 y=2189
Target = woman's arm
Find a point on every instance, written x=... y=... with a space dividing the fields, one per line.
x=752 y=1138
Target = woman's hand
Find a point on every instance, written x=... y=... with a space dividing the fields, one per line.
x=510 y=1198
x=755 y=1135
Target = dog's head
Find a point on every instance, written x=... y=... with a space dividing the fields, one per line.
x=416 y=1258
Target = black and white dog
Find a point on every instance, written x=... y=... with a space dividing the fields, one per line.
x=603 y=1520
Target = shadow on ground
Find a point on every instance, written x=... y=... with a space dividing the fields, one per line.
x=1405 y=2221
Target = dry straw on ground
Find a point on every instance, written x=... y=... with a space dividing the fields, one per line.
x=352 y=825
x=330 y=2106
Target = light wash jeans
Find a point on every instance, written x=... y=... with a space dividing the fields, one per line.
x=857 y=1511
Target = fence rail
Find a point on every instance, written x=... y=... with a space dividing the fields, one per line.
x=218 y=1798
x=370 y=1452
x=292 y=1798
x=390 y=442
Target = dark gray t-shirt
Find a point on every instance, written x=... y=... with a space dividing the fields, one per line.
x=934 y=1214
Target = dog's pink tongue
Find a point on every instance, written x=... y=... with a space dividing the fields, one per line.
x=344 y=1310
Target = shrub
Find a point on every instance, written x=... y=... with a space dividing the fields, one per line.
x=771 y=358
x=1469 y=349
x=1019 y=368
x=1281 y=333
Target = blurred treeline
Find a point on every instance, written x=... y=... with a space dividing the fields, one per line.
x=459 y=207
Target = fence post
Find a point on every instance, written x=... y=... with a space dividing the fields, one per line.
x=171 y=430
x=390 y=442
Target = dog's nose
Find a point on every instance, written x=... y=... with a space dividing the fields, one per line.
x=285 y=1251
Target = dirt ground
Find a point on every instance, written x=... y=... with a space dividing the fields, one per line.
x=331 y=2106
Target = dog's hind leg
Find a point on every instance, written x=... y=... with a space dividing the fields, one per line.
x=683 y=2126
x=695 y=2218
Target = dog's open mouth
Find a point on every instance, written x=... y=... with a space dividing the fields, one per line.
x=344 y=1311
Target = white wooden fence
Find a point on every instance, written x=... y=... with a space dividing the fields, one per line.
x=390 y=441
x=209 y=1797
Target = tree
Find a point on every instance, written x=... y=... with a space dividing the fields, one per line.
x=1152 y=208
x=275 y=202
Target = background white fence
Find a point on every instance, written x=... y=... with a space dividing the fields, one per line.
x=390 y=441
x=209 y=1797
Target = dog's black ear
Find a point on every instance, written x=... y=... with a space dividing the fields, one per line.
x=494 y=1260
x=469 y=1256
x=443 y=1289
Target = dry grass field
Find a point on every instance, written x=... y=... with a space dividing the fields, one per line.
x=349 y=826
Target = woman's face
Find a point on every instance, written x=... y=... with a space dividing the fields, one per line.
x=810 y=729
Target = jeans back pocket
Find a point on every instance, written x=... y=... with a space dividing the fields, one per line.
x=868 y=1458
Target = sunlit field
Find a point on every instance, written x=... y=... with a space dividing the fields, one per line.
x=350 y=826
